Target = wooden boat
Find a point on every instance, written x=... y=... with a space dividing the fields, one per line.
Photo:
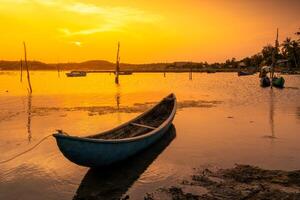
x=245 y=73
x=265 y=81
x=121 y=142
x=211 y=71
x=278 y=82
x=76 y=74
x=124 y=73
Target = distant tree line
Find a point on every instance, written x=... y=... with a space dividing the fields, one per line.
x=288 y=56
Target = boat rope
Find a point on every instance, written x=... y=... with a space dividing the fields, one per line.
x=28 y=150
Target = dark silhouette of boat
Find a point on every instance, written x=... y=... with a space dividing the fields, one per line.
x=265 y=81
x=278 y=82
x=124 y=73
x=121 y=142
x=245 y=73
x=76 y=74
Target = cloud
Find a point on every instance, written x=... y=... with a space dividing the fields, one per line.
x=115 y=18
x=112 y=18
x=84 y=8
x=76 y=43
x=103 y=28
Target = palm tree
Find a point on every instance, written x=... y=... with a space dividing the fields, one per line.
x=267 y=52
x=295 y=50
x=286 y=47
x=289 y=50
x=298 y=32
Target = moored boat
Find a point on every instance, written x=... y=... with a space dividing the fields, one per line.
x=265 y=81
x=76 y=74
x=121 y=142
x=245 y=73
x=278 y=82
x=124 y=73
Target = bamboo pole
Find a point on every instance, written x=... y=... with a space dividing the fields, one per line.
x=117 y=65
x=58 y=71
x=275 y=51
x=21 y=70
x=27 y=69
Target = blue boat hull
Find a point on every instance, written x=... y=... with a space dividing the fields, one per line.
x=95 y=152
x=98 y=154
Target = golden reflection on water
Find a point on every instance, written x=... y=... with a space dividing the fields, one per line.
x=218 y=115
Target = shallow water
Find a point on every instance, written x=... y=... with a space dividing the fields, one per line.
x=222 y=119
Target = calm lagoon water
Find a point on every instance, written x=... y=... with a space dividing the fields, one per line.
x=222 y=119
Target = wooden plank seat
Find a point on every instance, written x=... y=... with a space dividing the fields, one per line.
x=142 y=125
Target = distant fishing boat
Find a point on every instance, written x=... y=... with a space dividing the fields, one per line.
x=121 y=142
x=76 y=74
x=265 y=81
x=245 y=73
x=276 y=81
x=124 y=73
x=210 y=71
x=243 y=70
x=289 y=71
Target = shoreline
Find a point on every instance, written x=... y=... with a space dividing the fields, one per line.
x=296 y=72
x=239 y=182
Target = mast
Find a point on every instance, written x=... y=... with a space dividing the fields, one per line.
x=275 y=51
x=117 y=65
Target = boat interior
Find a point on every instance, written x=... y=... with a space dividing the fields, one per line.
x=144 y=124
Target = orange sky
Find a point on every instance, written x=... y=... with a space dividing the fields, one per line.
x=149 y=31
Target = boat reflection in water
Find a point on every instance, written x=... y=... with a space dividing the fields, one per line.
x=113 y=182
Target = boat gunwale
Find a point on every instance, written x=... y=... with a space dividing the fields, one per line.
x=130 y=139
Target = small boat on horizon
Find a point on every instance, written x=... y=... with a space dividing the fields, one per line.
x=245 y=73
x=122 y=142
x=76 y=74
x=124 y=73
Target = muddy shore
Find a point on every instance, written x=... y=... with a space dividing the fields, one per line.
x=237 y=183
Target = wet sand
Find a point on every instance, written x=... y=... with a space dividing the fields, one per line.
x=240 y=182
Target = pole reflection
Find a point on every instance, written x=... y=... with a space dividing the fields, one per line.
x=271 y=114
x=118 y=102
x=29 y=102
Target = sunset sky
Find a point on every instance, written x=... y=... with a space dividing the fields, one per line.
x=149 y=31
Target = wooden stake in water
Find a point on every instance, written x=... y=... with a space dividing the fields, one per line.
x=117 y=65
x=191 y=74
x=27 y=69
x=58 y=71
x=275 y=51
x=21 y=70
